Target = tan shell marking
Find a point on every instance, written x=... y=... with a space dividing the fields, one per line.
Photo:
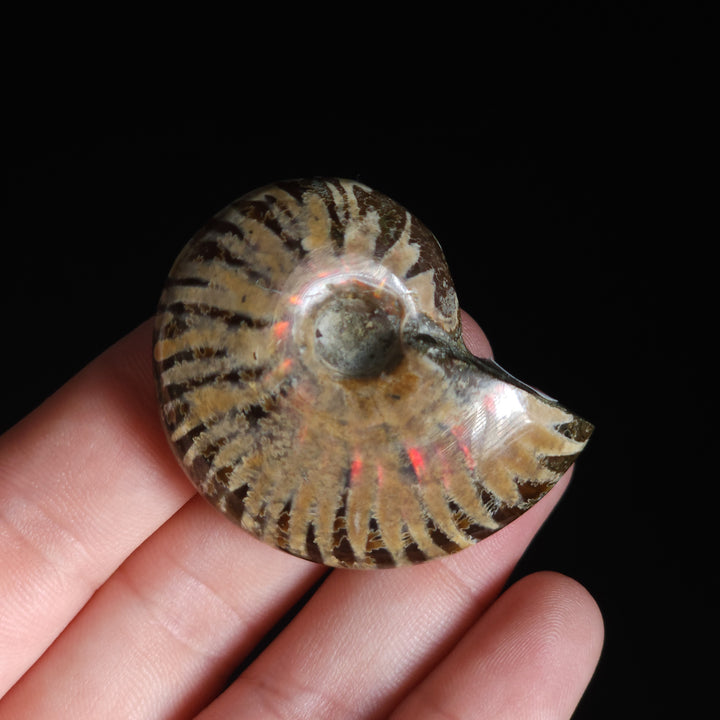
x=315 y=388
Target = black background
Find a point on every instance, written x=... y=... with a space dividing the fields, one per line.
x=565 y=176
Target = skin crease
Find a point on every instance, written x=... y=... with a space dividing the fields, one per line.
x=124 y=595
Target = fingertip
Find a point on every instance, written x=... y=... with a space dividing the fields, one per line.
x=475 y=339
x=568 y=601
x=531 y=654
x=562 y=634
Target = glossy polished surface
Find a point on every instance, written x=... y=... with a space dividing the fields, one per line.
x=315 y=387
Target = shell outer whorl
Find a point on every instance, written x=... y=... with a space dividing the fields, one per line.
x=314 y=386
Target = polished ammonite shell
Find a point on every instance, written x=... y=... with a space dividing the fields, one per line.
x=315 y=387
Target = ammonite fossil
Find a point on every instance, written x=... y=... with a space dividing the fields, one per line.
x=315 y=387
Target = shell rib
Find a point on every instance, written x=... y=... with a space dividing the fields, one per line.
x=314 y=385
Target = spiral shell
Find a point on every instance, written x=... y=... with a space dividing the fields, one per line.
x=314 y=385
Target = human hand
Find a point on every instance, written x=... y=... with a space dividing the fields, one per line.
x=125 y=595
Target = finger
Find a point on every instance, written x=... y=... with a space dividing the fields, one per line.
x=530 y=655
x=366 y=638
x=162 y=636
x=200 y=591
x=475 y=339
x=83 y=481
